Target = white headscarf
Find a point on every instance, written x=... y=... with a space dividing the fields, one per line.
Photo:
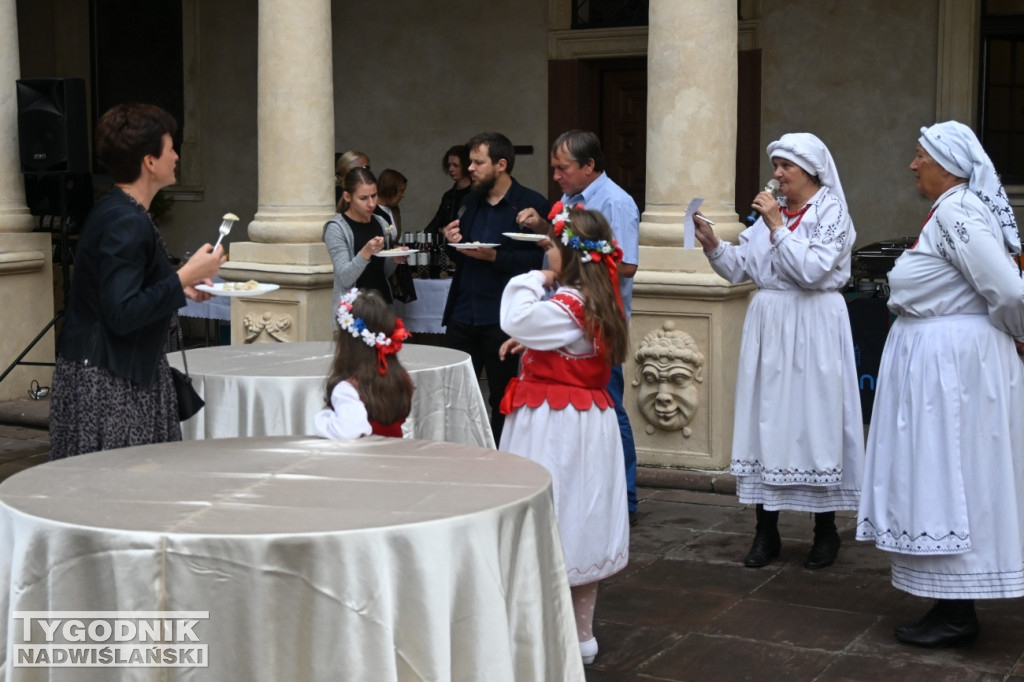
x=956 y=148
x=811 y=154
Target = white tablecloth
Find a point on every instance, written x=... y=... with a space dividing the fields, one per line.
x=424 y=314
x=372 y=560
x=275 y=389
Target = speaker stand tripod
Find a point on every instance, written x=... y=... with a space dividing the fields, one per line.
x=65 y=265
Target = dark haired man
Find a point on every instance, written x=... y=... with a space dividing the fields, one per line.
x=474 y=300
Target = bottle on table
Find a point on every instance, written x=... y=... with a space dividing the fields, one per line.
x=423 y=256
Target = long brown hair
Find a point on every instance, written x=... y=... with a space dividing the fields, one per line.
x=388 y=396
x=604 y=319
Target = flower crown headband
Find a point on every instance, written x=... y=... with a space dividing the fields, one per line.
x=590 y=250
x=385 y=345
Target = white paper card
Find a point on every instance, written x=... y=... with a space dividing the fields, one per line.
x=688 y=229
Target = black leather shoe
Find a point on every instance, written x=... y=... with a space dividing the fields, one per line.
x=823 y=551
x=765 y=548
x=948 y=624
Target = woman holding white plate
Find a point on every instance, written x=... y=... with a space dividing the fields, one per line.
x=112 y=385
x=355 y=235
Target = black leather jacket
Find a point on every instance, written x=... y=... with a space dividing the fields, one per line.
x=123 y=295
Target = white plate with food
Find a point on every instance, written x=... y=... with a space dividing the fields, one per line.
x=470 y=246
x=395 y=253
x=250 y=288
x=525 y=236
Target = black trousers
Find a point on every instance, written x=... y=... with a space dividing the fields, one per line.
x=482 y=343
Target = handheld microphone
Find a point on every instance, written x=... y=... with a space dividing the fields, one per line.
x=771 y=186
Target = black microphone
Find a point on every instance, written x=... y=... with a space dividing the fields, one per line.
x=772 y=186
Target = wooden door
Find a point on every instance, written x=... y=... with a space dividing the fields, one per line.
x=623 y=123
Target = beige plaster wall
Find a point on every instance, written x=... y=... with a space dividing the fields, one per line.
x=412 y=78
x=862 y=76
x=409 y=82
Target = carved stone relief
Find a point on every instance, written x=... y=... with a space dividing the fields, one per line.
x=276 y=326
x=669 y=365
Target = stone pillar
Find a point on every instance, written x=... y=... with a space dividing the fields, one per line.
x=296 y=179
x=26 y=273
x=686 y=320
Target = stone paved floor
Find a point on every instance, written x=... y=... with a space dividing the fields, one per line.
x=685 y=609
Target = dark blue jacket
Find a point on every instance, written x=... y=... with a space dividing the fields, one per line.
x=477 y=284
x=124 y=292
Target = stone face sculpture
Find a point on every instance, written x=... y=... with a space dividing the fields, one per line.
x=669 y=367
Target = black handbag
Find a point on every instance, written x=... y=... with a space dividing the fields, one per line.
x=189 y=401
x=403 y=287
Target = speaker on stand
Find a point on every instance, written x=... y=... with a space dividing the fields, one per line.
x=53 y=145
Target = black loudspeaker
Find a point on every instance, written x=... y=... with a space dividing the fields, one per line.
x=53 y=132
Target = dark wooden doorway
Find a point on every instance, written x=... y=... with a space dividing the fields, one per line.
x=609 y=97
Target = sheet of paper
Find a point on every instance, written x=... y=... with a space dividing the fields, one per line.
x=689 y=239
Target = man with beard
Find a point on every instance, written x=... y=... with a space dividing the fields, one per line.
x=471 y=312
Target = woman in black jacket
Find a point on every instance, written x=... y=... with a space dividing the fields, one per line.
x=455 y=164
x=112 y=384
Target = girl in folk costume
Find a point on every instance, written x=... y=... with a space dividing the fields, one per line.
x=559 y=411
x=367 y=391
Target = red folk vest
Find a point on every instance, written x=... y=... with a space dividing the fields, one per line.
x=560 y=378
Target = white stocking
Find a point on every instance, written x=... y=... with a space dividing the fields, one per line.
x=584 y=599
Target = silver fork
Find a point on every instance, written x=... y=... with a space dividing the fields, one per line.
x=225 y=227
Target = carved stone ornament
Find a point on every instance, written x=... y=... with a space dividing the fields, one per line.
x=669 y=365
x=274 y=325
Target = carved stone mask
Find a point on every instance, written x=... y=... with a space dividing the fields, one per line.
x=669 y=367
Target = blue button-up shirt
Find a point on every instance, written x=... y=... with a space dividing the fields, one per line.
x=622 y=214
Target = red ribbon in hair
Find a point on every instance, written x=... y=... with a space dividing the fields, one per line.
x=611 y=261
x=400 y=334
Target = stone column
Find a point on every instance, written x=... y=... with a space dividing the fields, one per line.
x=686 y=320
x=26 y=273
x=296 y=179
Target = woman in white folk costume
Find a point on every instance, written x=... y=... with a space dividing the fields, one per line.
x=944 y=472
x=798 y=439
x=560 y=412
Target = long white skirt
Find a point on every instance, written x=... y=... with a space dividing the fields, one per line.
x=583 y=453
x=945 y=462
x=798 y=439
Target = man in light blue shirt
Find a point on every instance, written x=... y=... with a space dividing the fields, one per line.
x=578 y=167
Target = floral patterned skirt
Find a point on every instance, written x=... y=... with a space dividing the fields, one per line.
x=93 y=409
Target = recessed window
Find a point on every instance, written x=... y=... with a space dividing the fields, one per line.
x=1002 y=94
x=609 y=13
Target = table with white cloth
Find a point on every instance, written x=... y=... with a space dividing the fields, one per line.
x=424 y=314
x=299 y=559
x=275 y=389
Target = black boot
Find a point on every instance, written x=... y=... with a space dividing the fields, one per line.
x=826 y=541
x=767 y=542
x=950 y=623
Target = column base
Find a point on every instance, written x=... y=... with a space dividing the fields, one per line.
x=300 y=310
x=16 y=220
x=293 y=225
x=27 y=290
x=681 y=374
